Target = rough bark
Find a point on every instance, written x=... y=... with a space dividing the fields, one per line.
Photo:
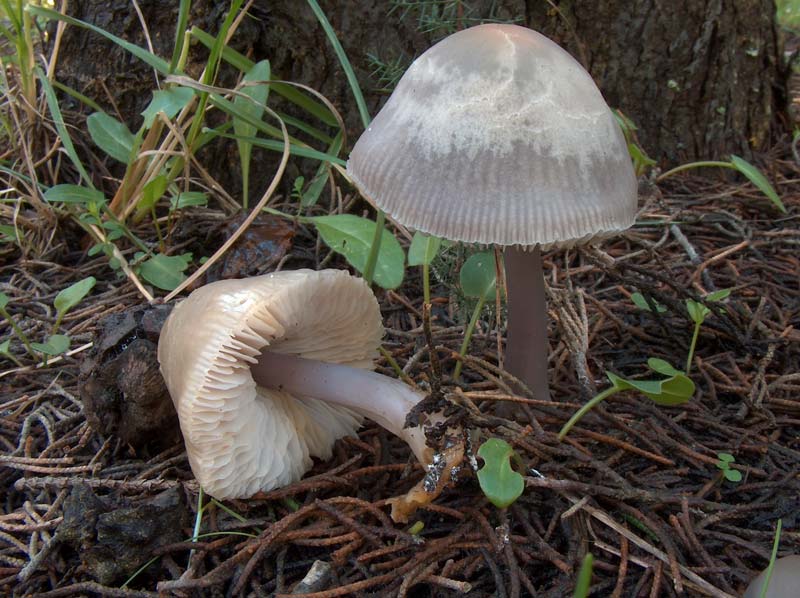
x=700 y=78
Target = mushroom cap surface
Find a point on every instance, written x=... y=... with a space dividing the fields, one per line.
x=497 y=135
x=785 y=581
x=240 y=437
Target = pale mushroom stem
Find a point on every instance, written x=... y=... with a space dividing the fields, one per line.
x=384 y=400
x=527 y=348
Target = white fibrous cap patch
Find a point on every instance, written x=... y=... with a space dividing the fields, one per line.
x=545 y=101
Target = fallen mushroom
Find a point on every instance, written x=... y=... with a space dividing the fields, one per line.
x=267 y=372
x=783 y=583
x=496 y=135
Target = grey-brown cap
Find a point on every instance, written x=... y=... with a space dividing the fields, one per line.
x=497 y=135
x=240 y=437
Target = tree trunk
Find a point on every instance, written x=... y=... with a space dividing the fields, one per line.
x=700 y=78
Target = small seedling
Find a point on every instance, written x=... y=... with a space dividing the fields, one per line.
x=478 y=280
x=647 y=303
x=584 y=577
x=724 y=463
x=423 y=250
x=499 y=482
x=698 y=313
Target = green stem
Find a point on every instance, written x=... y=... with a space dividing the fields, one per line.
x=691 y=347
x=199 y=517
x=372 y=259
x=18 y=331
x=771 y=566
x=468 y=335
x=395 y=366
x=690 y=165
x=591 y=404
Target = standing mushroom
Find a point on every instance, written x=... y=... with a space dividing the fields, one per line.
x=496 y=135
x=267 y=372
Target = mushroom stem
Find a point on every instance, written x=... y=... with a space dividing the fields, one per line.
x=526 y=347
x=384 y=400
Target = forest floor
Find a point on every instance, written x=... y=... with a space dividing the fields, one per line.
x=636 y=484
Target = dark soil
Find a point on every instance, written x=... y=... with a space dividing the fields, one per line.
x=95 y=484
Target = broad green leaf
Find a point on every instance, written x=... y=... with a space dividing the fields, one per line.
x=351 y=236
x=169 y=101
x=253 y=105
x=3 y=300
x=73 y=294
x=640 y=302
x=55 y=345
x=499 y=482
x=478 y=275
x=165 y=271
x=754 y=175
x=662 y=367
x=5 y=347
x=697 y=311
x=732 y=475
x=111 y=136
x=73 y=194
x=423 y=249
x=188 y=199
x=151 y=193
x=718 y=295
x=726 y=458
x=8 y=234
x=675 y=390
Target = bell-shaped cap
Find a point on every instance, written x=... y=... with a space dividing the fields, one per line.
x=497 y=135
x=240 y=437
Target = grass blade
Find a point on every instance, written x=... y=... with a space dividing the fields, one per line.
x=61 y=127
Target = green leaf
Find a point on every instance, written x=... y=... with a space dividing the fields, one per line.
x=8 y=234
x=169 y=101
x=754 y=175
x=151 y=59
x=584 y=581
x=188 y=199
x=718 y=295
x=73 y=294
x=662 y=367
x=73 y=194
x=423 y=249
x=5 y=347
x=55 y=345
x=3 y=300
x=675 y=390
x=165 y=271
x=252 y=104
x=726 y=457
x=351 y=236
x=697 y=311
x=111 y=136
x=314 y=190
x=478 y=275
x=640 y=302
x=61 y=127
x=151 y=193
x=501 y=484
x=732 y=475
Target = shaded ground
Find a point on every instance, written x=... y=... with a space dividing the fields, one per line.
x=635 y=484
